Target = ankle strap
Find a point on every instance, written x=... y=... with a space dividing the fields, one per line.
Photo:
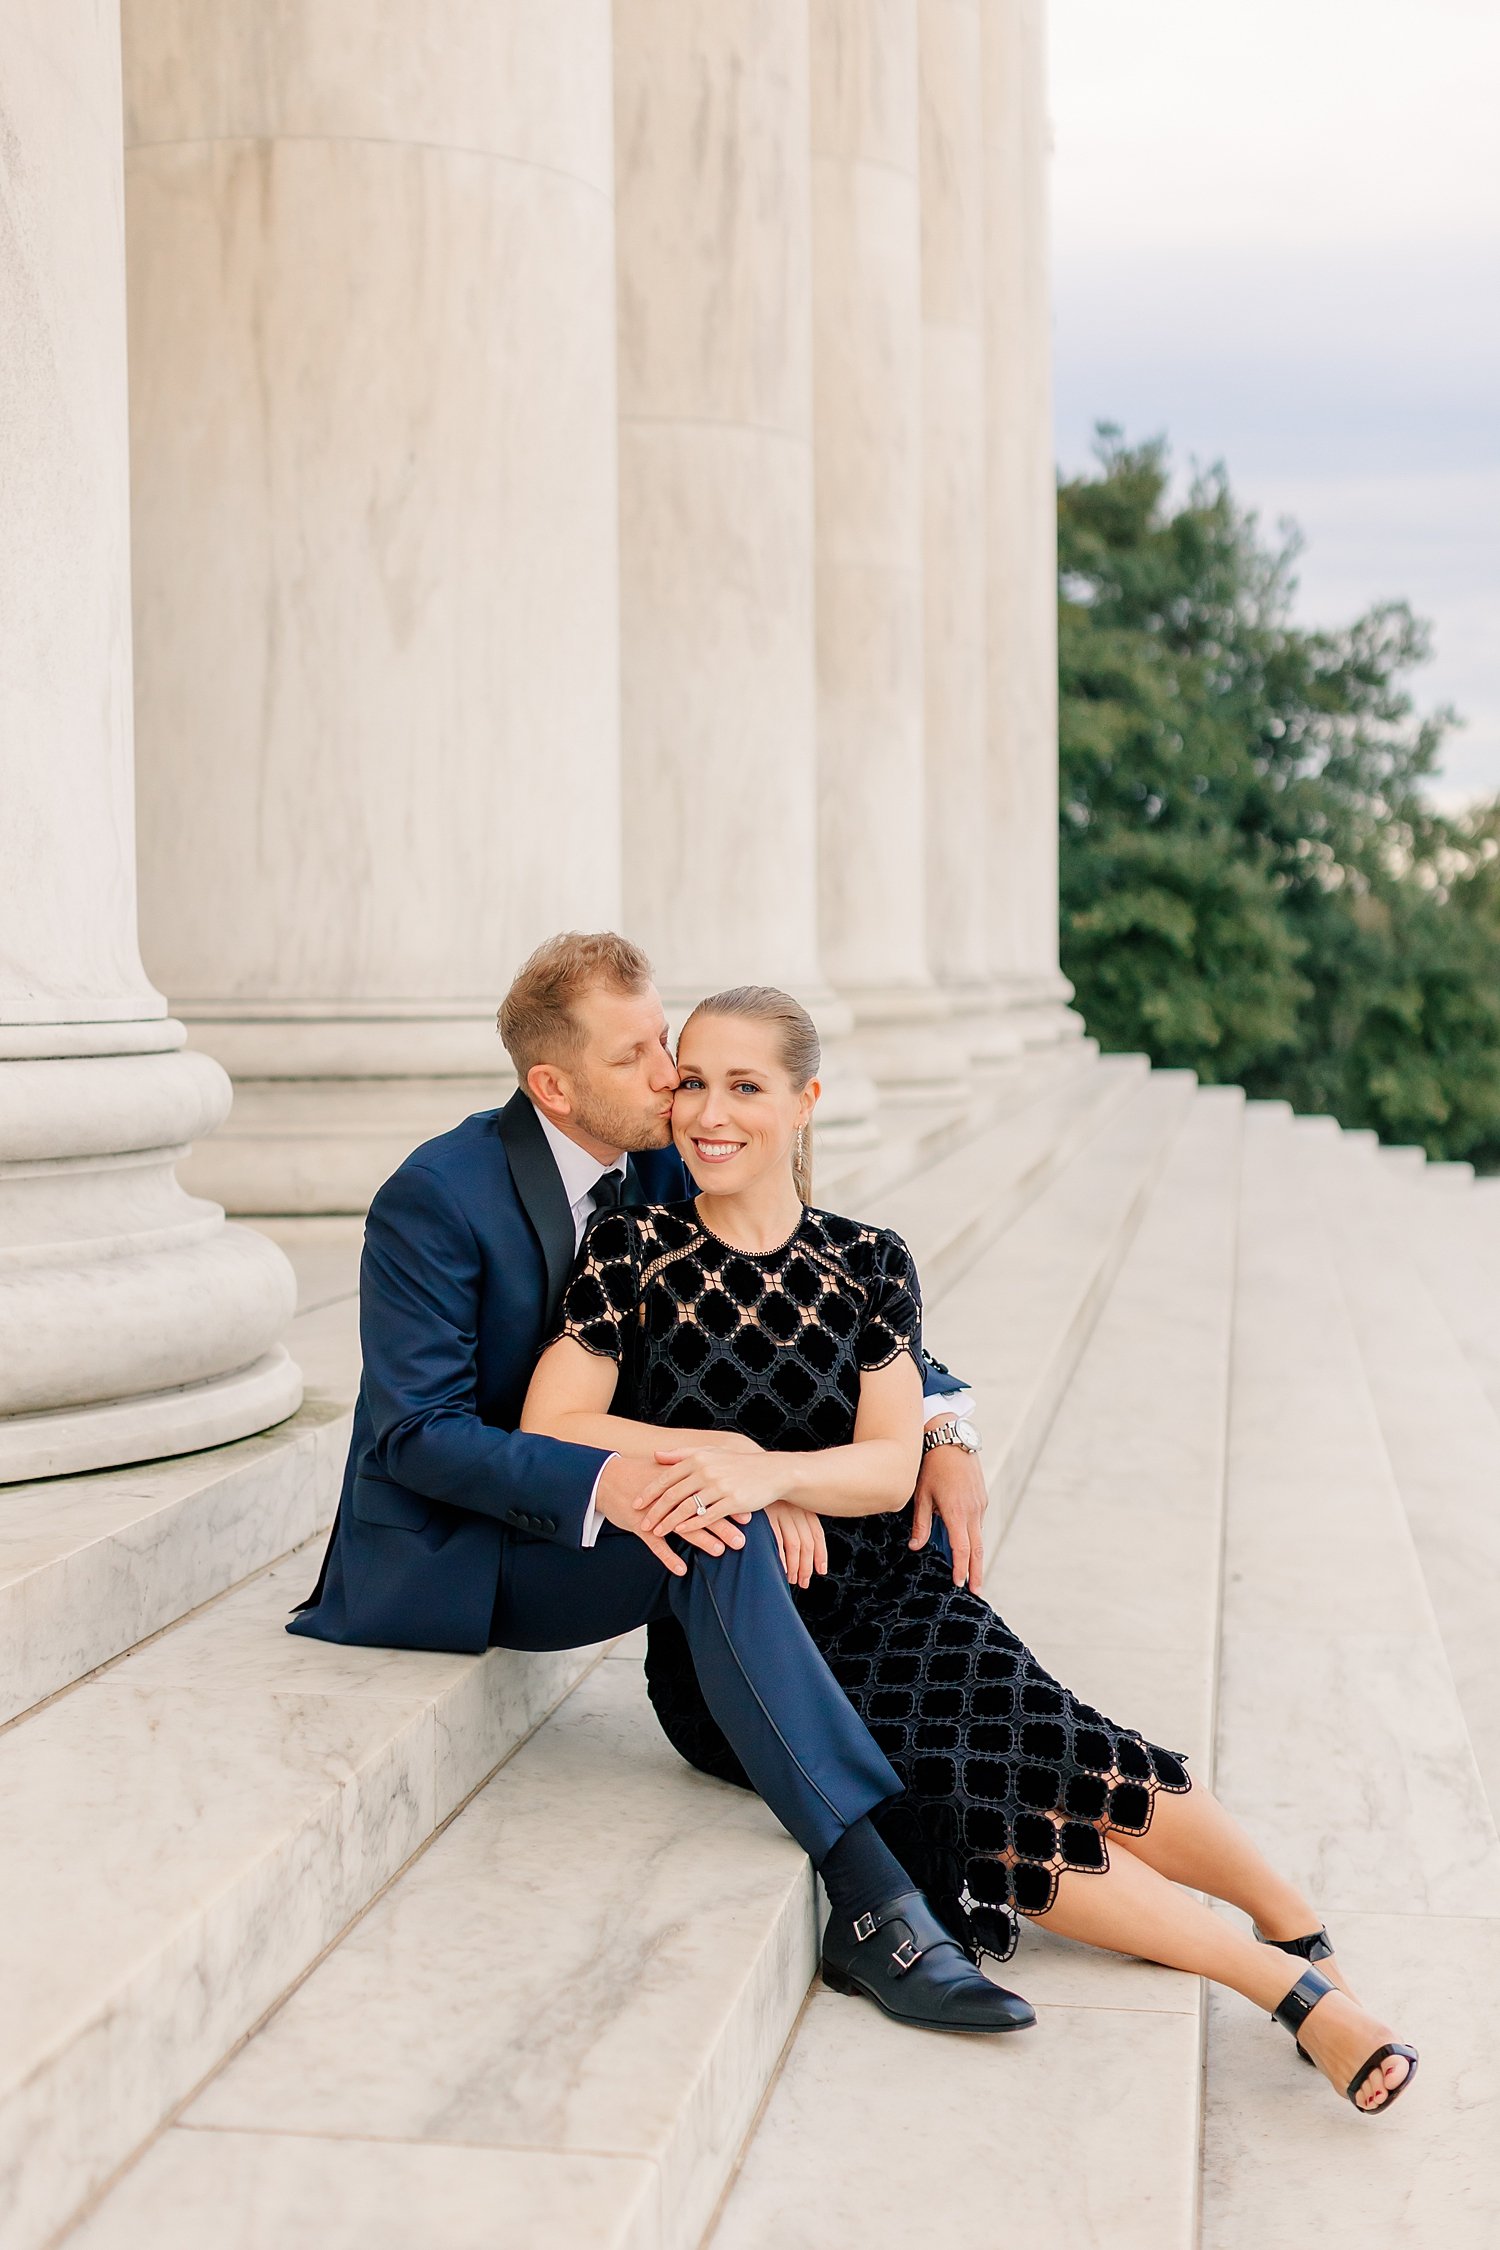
x=1315 y=1947
x=1311 y=1987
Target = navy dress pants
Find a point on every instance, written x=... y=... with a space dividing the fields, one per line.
x=789 y=1722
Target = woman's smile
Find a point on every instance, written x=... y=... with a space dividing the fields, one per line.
x=716 y=1152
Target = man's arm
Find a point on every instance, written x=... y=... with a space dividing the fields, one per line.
x=950 y=1482
x=943 y=1393
x=418 y=1315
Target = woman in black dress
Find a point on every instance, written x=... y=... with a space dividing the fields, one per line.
x=780 y=1345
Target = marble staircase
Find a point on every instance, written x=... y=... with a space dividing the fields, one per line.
x=1343 y=1734
x=90 y=1566
x=378 y=1948
x=201 y=1816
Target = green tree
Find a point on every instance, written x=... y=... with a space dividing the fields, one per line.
x=1254 y=884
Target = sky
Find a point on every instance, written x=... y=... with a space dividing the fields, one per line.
x=1276 y=240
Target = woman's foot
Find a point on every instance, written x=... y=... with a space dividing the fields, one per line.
x=1340 y=2035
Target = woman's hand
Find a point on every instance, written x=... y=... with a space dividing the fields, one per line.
x=727 y=1484
x=723 y=1441
x=800 y=1541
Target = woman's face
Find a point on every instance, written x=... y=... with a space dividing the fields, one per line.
x=735 y=1113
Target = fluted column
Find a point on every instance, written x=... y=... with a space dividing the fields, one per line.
x=955 y=688
x=1021 y=513
x=718 y=717
x=133 y=1321
x=867 y=453
x=372 y=381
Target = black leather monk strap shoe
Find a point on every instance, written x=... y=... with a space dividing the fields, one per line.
x=900 y=1956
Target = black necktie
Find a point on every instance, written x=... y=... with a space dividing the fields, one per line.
x=607 y=1190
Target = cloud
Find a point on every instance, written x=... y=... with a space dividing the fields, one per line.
x=1277 y=241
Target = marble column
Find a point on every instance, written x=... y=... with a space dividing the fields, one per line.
x=133 y=1322
x=372 y=311
x=955 y=688
x=718 y=718
x=1021 y=526
x=867 y=460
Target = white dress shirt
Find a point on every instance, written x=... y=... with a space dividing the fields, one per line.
x=581 y=1174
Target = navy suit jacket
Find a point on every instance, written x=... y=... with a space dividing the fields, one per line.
x=468 y=1247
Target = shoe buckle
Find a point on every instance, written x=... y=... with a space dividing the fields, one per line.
x=864 y=1927
x=906 y=1956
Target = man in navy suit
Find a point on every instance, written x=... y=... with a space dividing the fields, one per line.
x=457 y=1530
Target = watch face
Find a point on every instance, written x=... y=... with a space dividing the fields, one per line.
x=967 y=1435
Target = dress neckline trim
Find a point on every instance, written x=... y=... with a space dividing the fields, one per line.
x=734 y=1247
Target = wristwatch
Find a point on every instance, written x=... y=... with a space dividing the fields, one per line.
x=952 y=1433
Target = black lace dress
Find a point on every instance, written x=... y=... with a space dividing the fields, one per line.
x=1008 y=1778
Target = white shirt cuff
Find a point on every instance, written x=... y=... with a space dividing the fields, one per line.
x=937 y=1403
x=592 y=1518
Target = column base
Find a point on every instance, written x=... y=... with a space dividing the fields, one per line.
x=134 y=1323
x=990 y=1036
x=311 y=1147
x=152 y=1427
x=910 y=1043
x=1023 y=1014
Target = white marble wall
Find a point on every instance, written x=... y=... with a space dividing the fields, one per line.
x=371 y=255
x=718 y=718
x=955 y=688
x=132 y=1321
x=525 y=398
x=868 y=486
x=1021 y=522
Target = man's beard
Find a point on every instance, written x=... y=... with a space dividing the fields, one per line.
x=615 y=1126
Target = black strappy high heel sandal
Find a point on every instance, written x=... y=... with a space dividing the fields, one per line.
x=1318 y=1946
x=1311 y=1987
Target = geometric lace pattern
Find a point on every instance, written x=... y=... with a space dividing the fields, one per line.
x=1008 y=1778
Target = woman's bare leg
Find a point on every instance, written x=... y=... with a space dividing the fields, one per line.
x=1193 y=1840
x=1130 y=1908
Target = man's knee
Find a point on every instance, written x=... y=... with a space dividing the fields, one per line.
x=760 y=1548
x=753 y=1574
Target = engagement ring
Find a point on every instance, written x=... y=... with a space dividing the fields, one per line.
x=700 y=1503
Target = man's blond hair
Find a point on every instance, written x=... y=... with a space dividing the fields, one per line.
x=537 y=1020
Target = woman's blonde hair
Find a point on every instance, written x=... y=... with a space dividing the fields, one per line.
x=799 y=1050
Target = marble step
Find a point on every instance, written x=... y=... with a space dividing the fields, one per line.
x=1343 y=1747
x=1441 y=1432
x=1023 y=1316
x=1454 y=1242
x=644 y=2035
x=92 y=1565
x=911 y=1140
x=953 y=1210
x=365 y=1711
x=596 y=1965
x=1395 y=1156
x=1085 y=2130
x=185 y=1833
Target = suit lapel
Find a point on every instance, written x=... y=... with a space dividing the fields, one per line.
x=658 y=1176
x=543 y=1198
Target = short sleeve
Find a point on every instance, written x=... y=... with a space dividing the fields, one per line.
x=893 y=1312
x=605 y=1286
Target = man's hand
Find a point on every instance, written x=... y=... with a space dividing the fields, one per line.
x=800 y=1541
x=621 y=1498
x=951 y=1484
